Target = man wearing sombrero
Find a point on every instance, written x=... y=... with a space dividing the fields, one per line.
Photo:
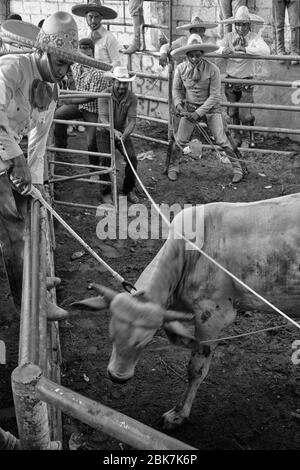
x=242 y=41
x=27 y=103
x=196 y=26
x=106 y=46
x=227 y=9
x=124 y=113
x=197 y=95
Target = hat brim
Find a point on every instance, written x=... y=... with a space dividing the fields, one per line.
x=253 y=19
x=188 y=26
x=105 y=12
x=205 y=48
x=12 y=28
x=120 y=79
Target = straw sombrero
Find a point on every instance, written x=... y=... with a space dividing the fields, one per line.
x=94 y=5
x=197 y=22
x=243 y=15
x=194 y=44
x=58 y=35
x=120 y=73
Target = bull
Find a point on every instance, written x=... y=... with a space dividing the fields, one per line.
x=259 y=242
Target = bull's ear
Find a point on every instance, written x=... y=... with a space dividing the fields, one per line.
x=172 y=315
x=93 y=303
x=179 y=335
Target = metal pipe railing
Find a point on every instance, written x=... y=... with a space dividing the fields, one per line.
x=286 y=58
x=77 y=152
x=25 y=326
x=107 y=420
x=35 y=284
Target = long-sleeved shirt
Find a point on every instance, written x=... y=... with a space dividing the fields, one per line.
x=243 y=68
x=204 y=91
x=17 y=115
x=88 y=79
x=106 y=46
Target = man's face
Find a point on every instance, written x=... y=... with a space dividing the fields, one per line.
x=242 y=29
x=87 y=51
x=59 y=67
x=195 y=57
x=199 y=31
x=93 y=19
x=120 y=87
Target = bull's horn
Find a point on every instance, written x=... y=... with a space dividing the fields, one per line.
x=94 y=303
x=54 y=312
x=171 y=315
x=52 y=282
x=108 y=293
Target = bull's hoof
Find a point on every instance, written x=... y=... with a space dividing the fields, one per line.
x=172 y=419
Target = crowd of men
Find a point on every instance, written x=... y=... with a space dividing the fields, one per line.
x=29 y=100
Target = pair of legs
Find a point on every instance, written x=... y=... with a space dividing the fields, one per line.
x=13 y=209
x=236 y=93
x=137 y=13
x=215 y=124
x=71 y=111
x=228 y=8
x=279 y=9
x=103 y=145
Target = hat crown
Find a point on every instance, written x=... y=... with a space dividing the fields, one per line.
x=196 y=20
x=121 y=72
x=194 y=39
x=242 y=14
x=97 y=3
x=59 y=30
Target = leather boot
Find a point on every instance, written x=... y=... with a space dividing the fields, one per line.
x=142 y=30
x=280 y=47
x=136 y=44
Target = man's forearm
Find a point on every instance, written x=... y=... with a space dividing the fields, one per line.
x=129 y=129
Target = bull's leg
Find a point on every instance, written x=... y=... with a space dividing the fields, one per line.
x=210 y=322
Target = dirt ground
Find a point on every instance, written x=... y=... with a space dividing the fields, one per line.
x=249 y=400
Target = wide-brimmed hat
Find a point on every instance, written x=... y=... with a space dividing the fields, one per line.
x=120 y=73
x=94 y=5
x=197 y=22
x=58 y=35
x=195 y=43
x=242 y=15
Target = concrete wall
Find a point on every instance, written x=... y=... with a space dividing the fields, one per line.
x=35 y=10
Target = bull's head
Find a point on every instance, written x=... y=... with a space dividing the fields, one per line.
x=135 y=319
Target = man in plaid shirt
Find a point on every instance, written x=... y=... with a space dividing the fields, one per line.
x=83 y=79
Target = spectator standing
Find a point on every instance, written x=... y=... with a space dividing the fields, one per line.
x=279 y=8
x=242 y=41
x=106 y=44
x=197 y=95
x=137 y=14
x=86 y=79
x=124 y=114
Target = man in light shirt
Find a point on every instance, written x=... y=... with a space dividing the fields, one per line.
x=242 y=41
x=106 y=46
x=197 y=95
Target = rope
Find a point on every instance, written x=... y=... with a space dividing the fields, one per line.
x=244 y=334
x=195 y=247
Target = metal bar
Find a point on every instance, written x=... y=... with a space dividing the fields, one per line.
x=152 y=119
x=150 y=75
x=25 y=327
x=35 y=234
x=78 y=152
x=75 y=177
x=79 y=123
x=113 y=174
x=102 y=95
x=75 y=165
x=294 y=84
x=228 y=104
x=286 y=58
x=150 y=139
x=31 y=412
x=74 y=204
x=42 y=317
x=152 y=98
x=85 y=180
x=154 y=25
x=107 y=420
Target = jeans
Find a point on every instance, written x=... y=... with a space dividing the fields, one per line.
x=228 y=8
x=292 y=7
x=215 y=124
x=103 y=142
x=13 y=208
x=240 y=94
x=71 y=111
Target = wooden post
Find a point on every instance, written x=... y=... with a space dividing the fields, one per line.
x=31 y=412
